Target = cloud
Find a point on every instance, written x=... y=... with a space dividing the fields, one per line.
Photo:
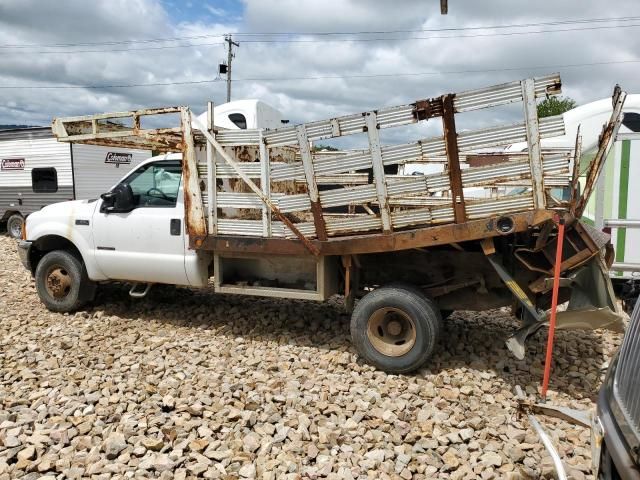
x=487 y=60
x=215 y=11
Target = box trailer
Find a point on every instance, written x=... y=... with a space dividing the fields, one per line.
x=36 y=170
x=244 y=208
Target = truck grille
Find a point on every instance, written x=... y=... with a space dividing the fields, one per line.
x=627 y=377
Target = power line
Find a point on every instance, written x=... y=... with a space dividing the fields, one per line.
x=495 y=34
x=313 y=41
x=320 y=77
x=370 y=32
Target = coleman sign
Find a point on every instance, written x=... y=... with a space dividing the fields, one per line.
x=118 y=158
x=12 y=164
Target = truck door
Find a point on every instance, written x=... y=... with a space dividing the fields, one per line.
x=146 y=244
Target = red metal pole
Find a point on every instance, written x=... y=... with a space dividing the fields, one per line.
x=554 y=308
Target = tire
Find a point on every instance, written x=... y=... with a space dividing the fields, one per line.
x=14 y=225
x=395 y=328
x=62 y=282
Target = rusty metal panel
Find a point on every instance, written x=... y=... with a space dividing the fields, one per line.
x=505 y=93
x=453 y=161
x=232 y=138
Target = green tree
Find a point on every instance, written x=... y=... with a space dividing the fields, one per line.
x=555 y=106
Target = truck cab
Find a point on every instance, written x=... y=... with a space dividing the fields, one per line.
x=135 y=232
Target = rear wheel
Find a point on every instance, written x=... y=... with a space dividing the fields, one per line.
x=14 y=225
x=395 y=328
x=62 y=282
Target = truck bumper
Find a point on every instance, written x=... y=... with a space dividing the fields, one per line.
x=609 y=449
x=24 y=248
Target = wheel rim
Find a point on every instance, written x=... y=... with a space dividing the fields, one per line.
x=391 y=331
x=58 y=282
x=15 y=228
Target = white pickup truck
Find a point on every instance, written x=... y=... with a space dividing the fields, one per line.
x=89 y=241
x=257 y=212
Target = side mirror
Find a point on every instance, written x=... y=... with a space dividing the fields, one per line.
x=118 y=200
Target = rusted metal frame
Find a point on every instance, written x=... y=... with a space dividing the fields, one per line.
x=395 y=241
x=212 y=188
x=575 y=175
x=427 y=108
x=533 y=142
x=312 y=186
x=265 y=183
x=453 y=158
x=194 y=214
x=606 y=140
x=131 y=113
x=379 y=179
x=236 y=166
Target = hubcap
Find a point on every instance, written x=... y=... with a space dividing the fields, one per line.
x=58 y=282
x=15 y=229
x=391 y=331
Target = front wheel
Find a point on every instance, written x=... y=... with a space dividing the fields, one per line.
x=62 y=282
x=395 y=328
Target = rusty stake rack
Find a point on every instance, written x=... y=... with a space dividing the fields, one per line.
x=258 y=211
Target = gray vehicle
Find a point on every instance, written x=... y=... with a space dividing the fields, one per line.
x=615 y=429
x=36 y=170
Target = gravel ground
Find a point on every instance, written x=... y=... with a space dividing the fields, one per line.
x=191 y=384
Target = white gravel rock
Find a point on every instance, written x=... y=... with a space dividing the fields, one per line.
x=187 y=383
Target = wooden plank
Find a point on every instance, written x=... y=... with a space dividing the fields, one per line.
x=371 y=123
x=453 y=158
x=312 y=186
x=194 y=214
x=533 y=141
x=265 y=183
x=212 y=189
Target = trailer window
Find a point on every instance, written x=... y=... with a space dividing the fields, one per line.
x=44 y=180
x=239 y=120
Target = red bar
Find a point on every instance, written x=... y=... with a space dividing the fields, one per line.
x=554 y=308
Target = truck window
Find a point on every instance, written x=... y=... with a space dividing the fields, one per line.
x=239 y=120
x=156 y=184
x=44 y=180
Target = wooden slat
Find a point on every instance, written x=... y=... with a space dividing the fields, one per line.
x=212 y=189
x=378 y=170
x=194 y=213
x=312 y=186
x=533 y=141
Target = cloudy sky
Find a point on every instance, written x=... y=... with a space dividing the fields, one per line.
x=110 y=43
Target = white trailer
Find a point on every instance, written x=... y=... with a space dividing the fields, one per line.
x=615 y=205
x=36 y=170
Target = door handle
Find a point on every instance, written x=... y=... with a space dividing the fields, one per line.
x=174 y=226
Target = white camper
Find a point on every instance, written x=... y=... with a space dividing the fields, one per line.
x=36 y=170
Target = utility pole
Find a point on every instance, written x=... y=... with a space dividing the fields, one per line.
x=230 y=56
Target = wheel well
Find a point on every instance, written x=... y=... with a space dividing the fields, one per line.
x=8 y=214
x=49 y=243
